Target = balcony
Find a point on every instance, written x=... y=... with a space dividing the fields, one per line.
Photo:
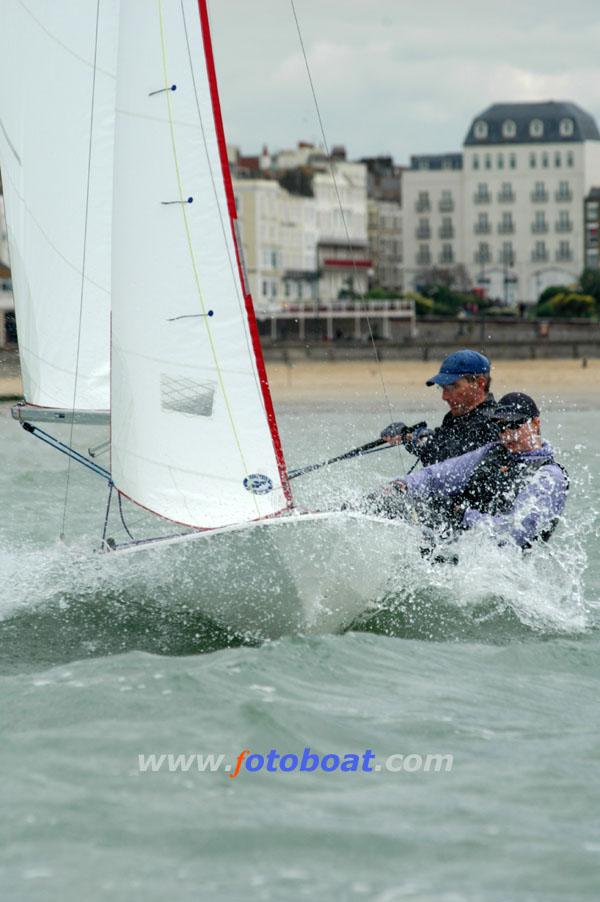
x=563 y=197
x=446 y=232
x=539 y=197
x=506 y=228
x=563 y=226
x=482 y=197
x=564 y=256
x=423 y=259
x=506 y=197
x=539 y=228
x=482 y=228
x=539 y=256
x=482 y=257
x=423 y=233
x=422 y=206
x=446 y=259
x=446 y=206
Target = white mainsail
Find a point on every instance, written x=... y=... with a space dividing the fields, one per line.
x=57 y=85
x=193 y=433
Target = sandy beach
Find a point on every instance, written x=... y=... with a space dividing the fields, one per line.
x=556 y=383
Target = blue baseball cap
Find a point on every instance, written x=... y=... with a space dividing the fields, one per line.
x=461 y=363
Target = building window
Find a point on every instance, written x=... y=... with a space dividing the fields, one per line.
x=506 y=226
x=422 y=205
x=539 y=252
x=564 y=251
x=488 y=161
x=500 y=161
x=564 y=223
x=446 y=202
x=570 y=159
x=557 y=159
x=512 y=161
x=475 y=161
x=539 y=224
x=482 y=254
x=506 y=195
x=507 y=254
x=483 y=195
x=536 y=128
x=265 y=289
x=481 y=129
x=482 y=226
x=423 y=256
x=564 y=193
x=532 y=160
x=509 y=128
x=566 y=128
x=423 y=229
x=447 y=229
x=539 y=193
x=545 y=160
x=447 y=255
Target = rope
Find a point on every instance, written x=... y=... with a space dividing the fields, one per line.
x=83 y=264
x=343 y=217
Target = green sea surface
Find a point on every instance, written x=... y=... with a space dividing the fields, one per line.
x=494 y=662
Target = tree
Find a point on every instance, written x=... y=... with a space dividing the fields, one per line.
x=590 y=283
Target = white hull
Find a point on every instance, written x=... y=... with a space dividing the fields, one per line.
x=306 y=573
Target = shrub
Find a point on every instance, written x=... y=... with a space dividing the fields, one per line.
x=551 y=291
x=568 y=304
x=423 y=306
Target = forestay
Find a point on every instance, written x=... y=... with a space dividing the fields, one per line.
x=57 y=84
x=194 y=437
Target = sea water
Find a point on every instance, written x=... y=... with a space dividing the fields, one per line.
x=465 y=708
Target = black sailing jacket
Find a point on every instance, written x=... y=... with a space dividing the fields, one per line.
x=457 y=435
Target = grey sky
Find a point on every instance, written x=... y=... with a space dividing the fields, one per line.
x=394 y=76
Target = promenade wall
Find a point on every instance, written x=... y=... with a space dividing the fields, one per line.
x=500 y=338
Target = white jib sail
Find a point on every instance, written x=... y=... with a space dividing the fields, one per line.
x=194 y=437
x=57 y=85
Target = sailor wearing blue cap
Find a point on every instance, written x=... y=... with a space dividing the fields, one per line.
x=464 y=378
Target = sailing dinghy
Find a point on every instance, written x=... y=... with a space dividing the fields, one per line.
x=133 y=309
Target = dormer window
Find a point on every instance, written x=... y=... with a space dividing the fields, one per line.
x=481 y=129
x=566 y=127
x=509 y=128
x=536 y=128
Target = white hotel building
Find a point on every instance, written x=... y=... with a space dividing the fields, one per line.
x=509 y=209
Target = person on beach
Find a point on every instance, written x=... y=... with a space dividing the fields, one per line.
x=465 y=381
x=512 y=485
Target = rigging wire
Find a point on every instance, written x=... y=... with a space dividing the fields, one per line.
x=342 y=214
x=83 y=264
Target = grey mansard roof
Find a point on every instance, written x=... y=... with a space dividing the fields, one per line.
x=554 y=116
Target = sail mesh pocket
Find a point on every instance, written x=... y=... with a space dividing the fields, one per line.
x=187 y=396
